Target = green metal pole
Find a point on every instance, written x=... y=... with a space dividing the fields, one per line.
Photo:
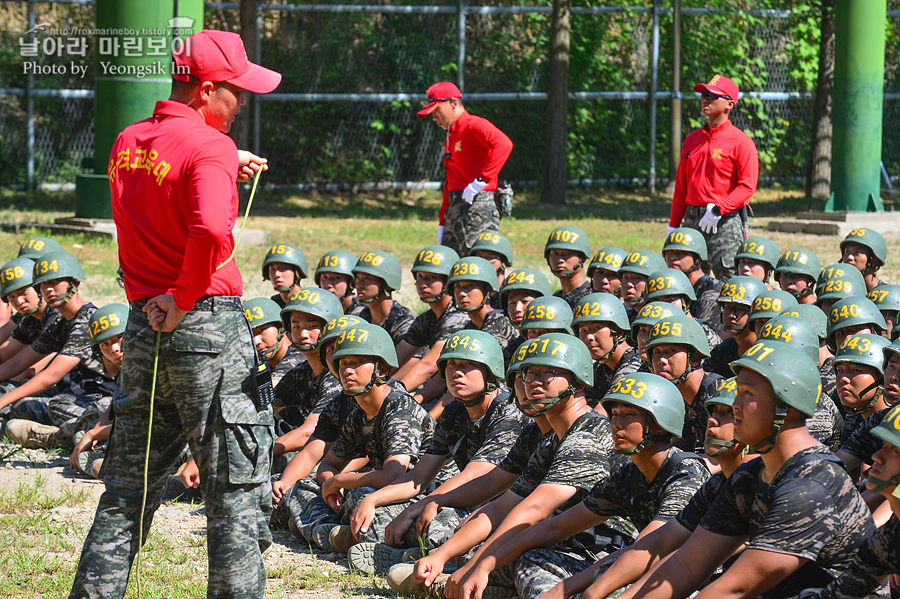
x=858 y=105
x=130 y=77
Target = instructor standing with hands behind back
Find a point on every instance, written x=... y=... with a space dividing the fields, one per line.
x=174 y=198
x=716 y=177
x=474 y=152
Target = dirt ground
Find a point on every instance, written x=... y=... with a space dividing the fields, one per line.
x=325 y=576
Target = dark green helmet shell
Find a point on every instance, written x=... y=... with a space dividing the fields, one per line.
x=286 y=253
x=491 y=241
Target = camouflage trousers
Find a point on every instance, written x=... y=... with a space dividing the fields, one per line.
x=539 y=570
x=70 y=412
x=203 y=399
x=440 y=529
x=463 y=222
x=723 y=245
x=24 y=408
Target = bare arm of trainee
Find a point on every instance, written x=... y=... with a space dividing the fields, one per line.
x=424 y=369
x=405 y=351
x=295 y=440
x=58 y=368
x=754 y=572
x=685 y=571
x=18 y=363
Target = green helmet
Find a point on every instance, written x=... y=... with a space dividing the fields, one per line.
x=107 y=322
x=286 y=253
x=795 y=331
x=36 y=247
x=652 y=394
x=313 y=301
x=526 y=279
x=608 y=258
x=871 y=240
x=865 y=349
x=15 y=275
x=602 y=307
x=367 y=340
x=838 y=281
x=652 y=313
x=759 y=249
x=679 y=330
x=741 y=290
x=568 y=237
x=850 y=312
x=435 y=259
x=336 y=261
x=515 y=364
x=56 y=265
x=726 y=391
x=669 y=282
x=769 y=303
x=474 y=346
x=332 y=330
x=686 y=240
x=262 y=310
x=886 y=297
x=811 y=314
x=493 y=242
x=794 y=377
x=476 y=269
x=381 y=265
x=888 y=430
x=799 y=261
x=643 y=262
x=548 y=312
x=564 y=352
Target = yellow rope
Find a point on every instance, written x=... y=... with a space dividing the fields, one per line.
x=244 y=222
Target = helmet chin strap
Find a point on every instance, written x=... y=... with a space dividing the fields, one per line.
x=722 y=445
x=269 y=353
x=687 y=370
x=70 y=293
x=616 y=341
x=648 y=437
x=485 y=299
x=566 y=273
x=549 y=402
x=767 y=444
x=306 y=348
x=376 y=379
x=879 y=485
x=879 y=391
x=489 y=388
x=36 y=308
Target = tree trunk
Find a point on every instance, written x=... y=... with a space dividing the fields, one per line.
x=818 y=180
x=240 y=130
x=553 y=183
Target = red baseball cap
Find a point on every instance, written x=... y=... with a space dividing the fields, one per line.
x=722 y=86
x=220 y=56
x=437 y=93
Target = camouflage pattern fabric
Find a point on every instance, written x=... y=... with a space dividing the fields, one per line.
x=877 y=557
x=604 y=377
x=69 y=338
x=498 y=325
x=810 y=509
x=692 y=513
x=573 y=297
x=333 y=417
x=723 y=245
x=851 y=423
x=463 y=222
x=646 y=500
x=428 y=329
x=712 y=337
x=80 y=413
x=205 y=399
x=306 y=508
x=291 y=360
x=397 y=323
x=862 y=443
x=355 y=306
x=539 y=570
x=519 y=455
x=829 y=384
x=706 y=307
x=300 y=393
x=721 y=357
x=696 y=417
x=29 y=328
x=825 y=424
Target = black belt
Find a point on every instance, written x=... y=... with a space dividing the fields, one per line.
x=456 y=196
x=701 y=210
x=209 y=303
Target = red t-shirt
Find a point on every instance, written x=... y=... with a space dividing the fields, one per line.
x=718 y=166
x=174 y=199
x=474 y=148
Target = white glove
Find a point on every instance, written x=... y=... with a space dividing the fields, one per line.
x=671 y=228
x=473 y=189
x=710 y=222
x=440 y=236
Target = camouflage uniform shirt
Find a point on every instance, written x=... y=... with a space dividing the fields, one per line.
x=402 y=427
x=335 y=413
x=291 y=360
x=826 y=423
x=705 y=308
x=829 y=383
x=692 y=513
x=498 y=325
x=629 y=494
x=810 y=509
x=605 y=377
x=721 y=357
x=278 y=300
x=428 y=328
x=397 y=323
x=355 y=306
x=712 y=337
x=851 y=423
x=69 y=337
x=527 y=443
x=30 y=328
x=877 y=557
x=300 y=393
x=862 y=443
x=696 y=417
x=573 y=297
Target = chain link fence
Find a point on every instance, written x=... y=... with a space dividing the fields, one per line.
x=354 y=75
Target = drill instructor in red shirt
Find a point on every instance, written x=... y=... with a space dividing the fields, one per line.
x=474 y=152
x=716 y=178
x=174 y=198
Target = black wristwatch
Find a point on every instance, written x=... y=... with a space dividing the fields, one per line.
x=717 y=211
